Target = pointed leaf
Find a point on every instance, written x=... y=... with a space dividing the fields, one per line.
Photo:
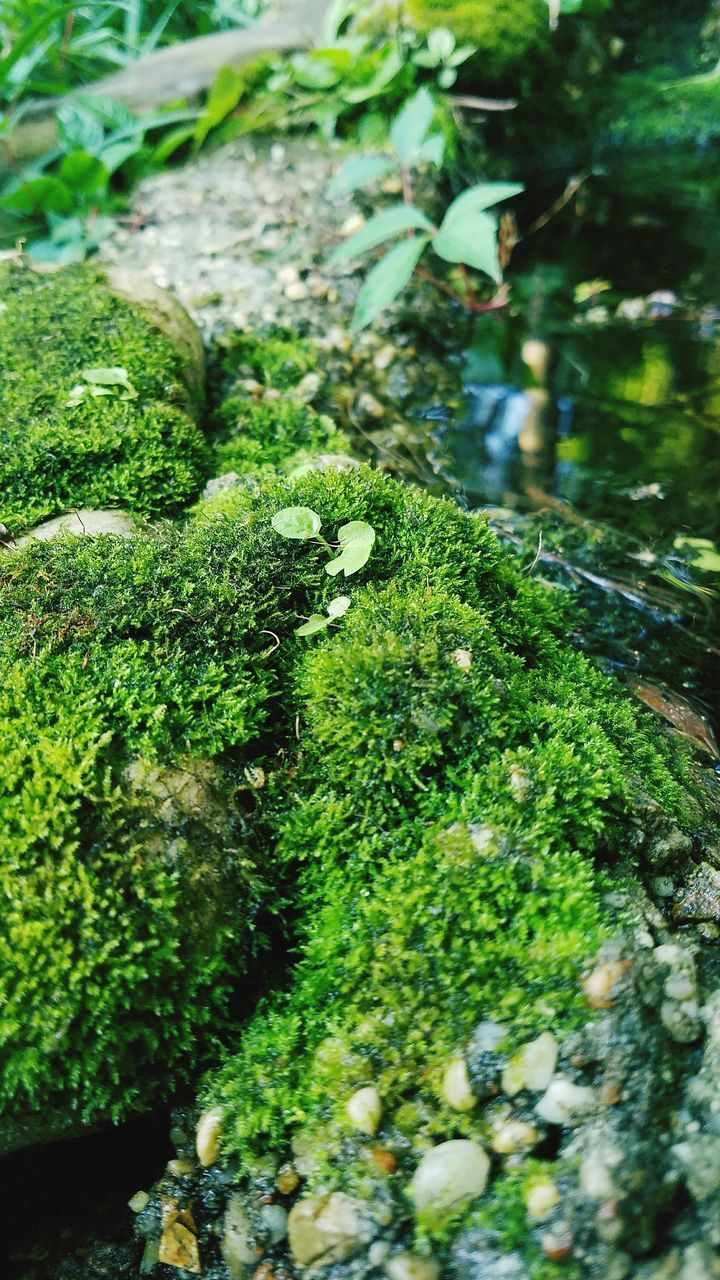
x=480 y=197
x=384 y=226
x=314 y=623
x=386 y=280
x=409 y=129
x=432 y=150
x=358 y=172
x=472 y=240
x=296 y=522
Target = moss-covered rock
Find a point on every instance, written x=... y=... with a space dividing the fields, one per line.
x=68 y=441
x=505 y=31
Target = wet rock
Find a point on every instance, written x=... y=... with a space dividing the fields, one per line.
x=274 y=1222
x=324 y=1229
x=369 y=406
x=448 y=1175
x=700 y=899
x=178 y=1242
x=287 y=1180
x=364 y=1110
x=207 y=1137
x=514 y=1135
x=700 y=1159
x=680 y=1012
x=456 y=1088
x=238 y=1245
x=138 y=1202
x=485 y=1060
x=230 y=480
x=599 y=985
x=541 y=1197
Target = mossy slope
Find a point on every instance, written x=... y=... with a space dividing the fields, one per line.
x=145 y=453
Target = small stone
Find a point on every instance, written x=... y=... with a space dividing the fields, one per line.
x=178 y=1242
x=456 y=1087
x=80 y=524
x=229 y=480
x=308 y=387
x=541 y=1198
x=238 y=1245
x=449 y=1174
x=463 y=659
x=519 y=783
x=598 y=986
x=352 y=224
x=296 y=292
x=364 y=1109
x=512 y=1136
x=385 y=356
x=385 y=1161
x=266 y=1271
x=565 y=1103
x=557 y=1245
x=277 y=153
x=532 y=1067
x=287 y=275
x=274 y=1220
x=324 y=1229
x=378 y=1252
x=701 y=896
x=596 y=1180
x=369 y=406
x=139 y=1202
x=207 y=1137
x=287 y=1180
x=180 y=1168
x=411 y=1266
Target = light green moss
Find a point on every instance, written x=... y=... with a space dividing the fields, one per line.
x=504 y=31
x=145 y=453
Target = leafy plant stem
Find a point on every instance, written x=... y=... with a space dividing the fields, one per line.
x=406 y=184
x=472 y=305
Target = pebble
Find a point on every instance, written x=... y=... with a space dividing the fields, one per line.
x=352 y=224
x=456 y=1086
x=180 y=1168
x=565 y=1103
x=369 y=406
x=449 y=1174
x=385 y=356
x=178 y=1242
x=308 y=387
x=83 y=523
x=598 y=986
x=364 y=1110
x=411 y=1266
x=296 y=292
x=512 y=1136
x=596 y=1178
x=287 y=1180
x=238 y=1245
x=139 y=1202
x=463 y=659
x=274 y=1220
x=532 y=1067
x=324 y=1229
x=541 y=1198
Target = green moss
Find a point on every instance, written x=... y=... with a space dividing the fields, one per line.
x=505 y=31
x=274 y=356
x=271 y=435
x=145 y=453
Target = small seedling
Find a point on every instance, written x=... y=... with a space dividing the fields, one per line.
x=355 y=541
x=110 y=381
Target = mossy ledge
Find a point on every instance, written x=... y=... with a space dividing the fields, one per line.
x=445 y=793
x=145 y=452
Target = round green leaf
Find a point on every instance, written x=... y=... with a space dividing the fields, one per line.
x=296 y=522
x=314 y=623
x=338 y=607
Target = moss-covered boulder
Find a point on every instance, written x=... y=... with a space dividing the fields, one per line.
x=504 y=31
x=101 y=391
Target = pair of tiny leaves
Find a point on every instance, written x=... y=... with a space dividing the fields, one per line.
x=356 y=539
x=337 y=608
x=105 y=381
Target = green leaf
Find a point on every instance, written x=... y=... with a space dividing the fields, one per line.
x=440 y=43
x=477 y=198
x=83 y=173
x=356 y=542
x=41 y=195
x=409 y=129
x=386 y=280
x=314 y=623
x=472 y=240
x=226 y=92
x=391 y=64
x=432 y=150
x=705 y=557
x=358 y=173
x=384 y=226
x=297 y=522
x=110 y=376
x=338 y=607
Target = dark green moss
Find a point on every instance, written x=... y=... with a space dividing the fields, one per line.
x=266 y=437
x=144 y=453
x=505 y=31
x=274 y=357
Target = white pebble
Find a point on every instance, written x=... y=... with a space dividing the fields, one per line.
x=564 y=1102
x=456 y=1086
x=450 y=1174
x=364 y=1109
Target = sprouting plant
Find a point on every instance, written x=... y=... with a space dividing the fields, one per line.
x=443 y=55
x=355 y=541
x=467 y=234
x=110 y=381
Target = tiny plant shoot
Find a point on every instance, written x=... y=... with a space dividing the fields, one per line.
x=467 y=234
x=354 y=543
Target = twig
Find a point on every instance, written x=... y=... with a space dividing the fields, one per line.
x=571 y=189
x=482 y=104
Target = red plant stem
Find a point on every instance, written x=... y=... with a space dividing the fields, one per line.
x=470 y=304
